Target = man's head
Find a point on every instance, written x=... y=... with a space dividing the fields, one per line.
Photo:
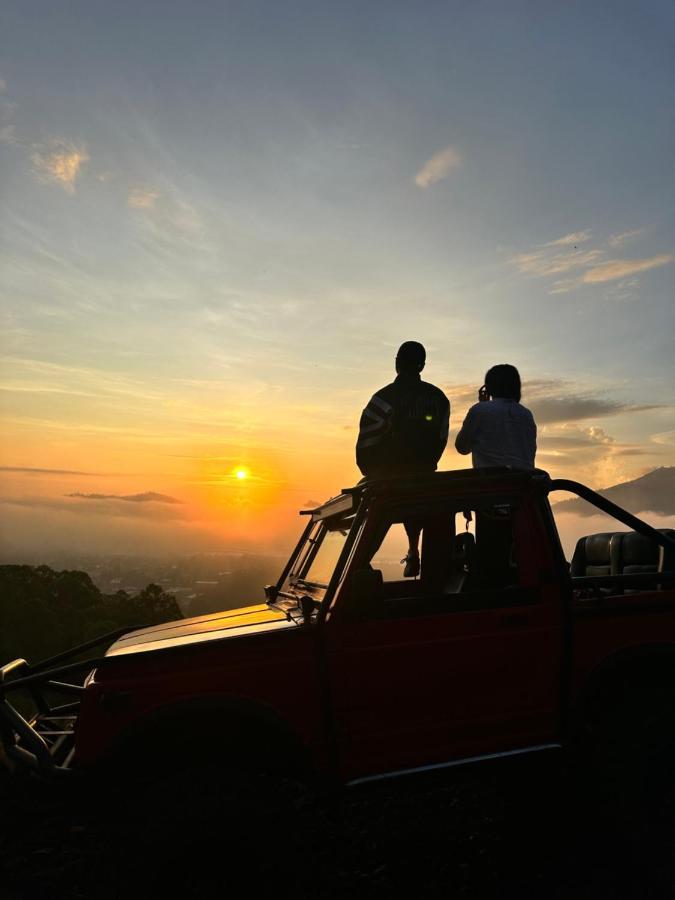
x=410 y=358
x=503 y=381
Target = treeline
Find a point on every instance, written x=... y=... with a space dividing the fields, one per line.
x=43 y=612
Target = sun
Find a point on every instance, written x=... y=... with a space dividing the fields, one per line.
x=240 y=473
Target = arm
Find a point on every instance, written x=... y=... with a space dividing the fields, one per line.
x=464 y=439
x=374 y=424
x=444 y=427
x=534 y=440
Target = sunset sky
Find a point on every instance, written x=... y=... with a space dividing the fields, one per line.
x=218 y=220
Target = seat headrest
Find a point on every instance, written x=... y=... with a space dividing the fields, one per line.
x=597 y=554
x=639 y=550
x=597 y=548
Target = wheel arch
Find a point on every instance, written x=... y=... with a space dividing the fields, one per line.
x=638 y=666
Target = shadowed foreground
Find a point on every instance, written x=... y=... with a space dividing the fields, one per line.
x=497 y=833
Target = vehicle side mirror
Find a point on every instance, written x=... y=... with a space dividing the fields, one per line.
x=366 y=594
x=271 y=592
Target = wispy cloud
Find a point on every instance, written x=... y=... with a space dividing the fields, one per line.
x=438 y=167
x=28 y=470
x=583 y=266
x=556 y=401
x=145 y=497
x=665 y=438
x=573 y=437
x=7 y=110
x=59 y=161
x=572 y=239
x=550 y=409
x=541 y=262
x=614 y=269
x=564 y=286
x=142 y=198
x=7 y=132
x=618 y=240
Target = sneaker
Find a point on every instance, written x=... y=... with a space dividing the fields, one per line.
x=412 y=564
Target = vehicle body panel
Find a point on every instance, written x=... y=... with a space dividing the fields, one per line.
x=420 y=690
x=273 y=671
x=233 y=623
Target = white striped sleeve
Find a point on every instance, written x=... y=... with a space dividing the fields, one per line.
x=374 y=422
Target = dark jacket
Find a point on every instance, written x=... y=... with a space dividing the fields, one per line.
x=403 y=428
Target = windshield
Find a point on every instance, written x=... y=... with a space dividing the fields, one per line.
x=323 y=565
x=318 y=559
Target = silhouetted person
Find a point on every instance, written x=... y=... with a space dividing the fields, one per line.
x=403 y=431
x=499 y=430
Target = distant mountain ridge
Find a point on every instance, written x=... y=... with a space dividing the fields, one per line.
x=653 y=492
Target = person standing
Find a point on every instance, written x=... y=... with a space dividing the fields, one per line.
x=403 y=431
x=499 y=430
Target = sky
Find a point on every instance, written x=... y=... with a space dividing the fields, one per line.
x=218 y=221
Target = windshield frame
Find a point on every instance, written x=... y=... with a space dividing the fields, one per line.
x=291 y=586
x=298 y=581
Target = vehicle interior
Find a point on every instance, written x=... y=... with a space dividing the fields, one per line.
x=619 y=553
x=473 y=555
x=469 y=559
x=620 y=561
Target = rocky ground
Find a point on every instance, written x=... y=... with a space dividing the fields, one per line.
x=511 y=831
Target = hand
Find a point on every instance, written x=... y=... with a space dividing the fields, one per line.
x=483 y=395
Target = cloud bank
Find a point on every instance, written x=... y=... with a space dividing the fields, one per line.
x=31 y=471
x=145 y=497
x=554 y=401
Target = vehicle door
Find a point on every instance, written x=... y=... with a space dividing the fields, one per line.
x=463 y=661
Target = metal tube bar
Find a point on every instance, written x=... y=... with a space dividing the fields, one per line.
x=564 y=484
x=82 y=648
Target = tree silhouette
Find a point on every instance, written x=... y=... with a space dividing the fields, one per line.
x=43 y=612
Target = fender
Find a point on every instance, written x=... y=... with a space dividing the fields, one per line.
x=227 y=729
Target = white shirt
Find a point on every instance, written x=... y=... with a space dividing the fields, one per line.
x=499 y=432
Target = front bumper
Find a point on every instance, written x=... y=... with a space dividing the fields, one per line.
x=38 y=729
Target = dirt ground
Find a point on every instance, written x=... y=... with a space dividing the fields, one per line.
x=510 y=831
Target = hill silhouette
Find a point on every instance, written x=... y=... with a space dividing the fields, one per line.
x=44 y=611
x=653 y=492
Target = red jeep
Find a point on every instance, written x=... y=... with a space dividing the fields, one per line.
x=500 y=647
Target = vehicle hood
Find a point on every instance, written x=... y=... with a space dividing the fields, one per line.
x=213 y=627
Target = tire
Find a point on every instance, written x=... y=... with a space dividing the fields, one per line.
x=204 y=825
x=624 y=755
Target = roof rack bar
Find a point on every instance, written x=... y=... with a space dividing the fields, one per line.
x=407 y=483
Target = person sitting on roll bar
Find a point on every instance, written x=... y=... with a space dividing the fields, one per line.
x=403 y=431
